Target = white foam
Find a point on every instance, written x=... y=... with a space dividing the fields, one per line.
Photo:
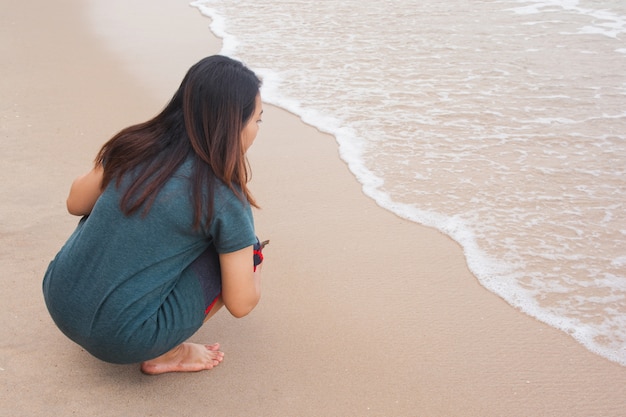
x=605 y=22
x=620 y=261
x=218 y=27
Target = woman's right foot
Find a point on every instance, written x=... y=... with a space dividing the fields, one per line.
x=187 y=357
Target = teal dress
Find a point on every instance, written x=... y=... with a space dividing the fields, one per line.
x=130 y=288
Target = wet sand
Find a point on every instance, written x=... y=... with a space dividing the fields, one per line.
x=362 y=314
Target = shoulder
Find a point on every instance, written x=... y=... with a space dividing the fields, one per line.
x=232 y=224
x=229 y=205
x=226 y=194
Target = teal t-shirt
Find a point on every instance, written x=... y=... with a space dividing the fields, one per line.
x=122 y=286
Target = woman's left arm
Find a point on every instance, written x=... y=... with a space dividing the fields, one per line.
x=85 y=191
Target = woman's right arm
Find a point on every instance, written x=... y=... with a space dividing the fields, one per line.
x=241 y=285
x=85 y=191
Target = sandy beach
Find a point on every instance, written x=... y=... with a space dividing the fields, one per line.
x=362 y=313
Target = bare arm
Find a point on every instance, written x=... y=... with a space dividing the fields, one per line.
x=241 y=286
x=85 y=191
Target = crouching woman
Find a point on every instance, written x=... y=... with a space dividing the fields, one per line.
x=167 y=235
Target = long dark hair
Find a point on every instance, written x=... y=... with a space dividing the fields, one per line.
x=203 y=121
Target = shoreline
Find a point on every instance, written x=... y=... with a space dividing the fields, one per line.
x=444 y=168
x=362 y=313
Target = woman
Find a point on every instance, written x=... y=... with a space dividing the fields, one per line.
x=167 y=235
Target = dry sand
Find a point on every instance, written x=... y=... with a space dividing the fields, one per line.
x=363 y=314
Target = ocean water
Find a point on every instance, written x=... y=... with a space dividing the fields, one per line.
x=500 y=123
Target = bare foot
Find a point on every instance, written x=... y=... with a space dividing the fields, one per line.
x=187 y=357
